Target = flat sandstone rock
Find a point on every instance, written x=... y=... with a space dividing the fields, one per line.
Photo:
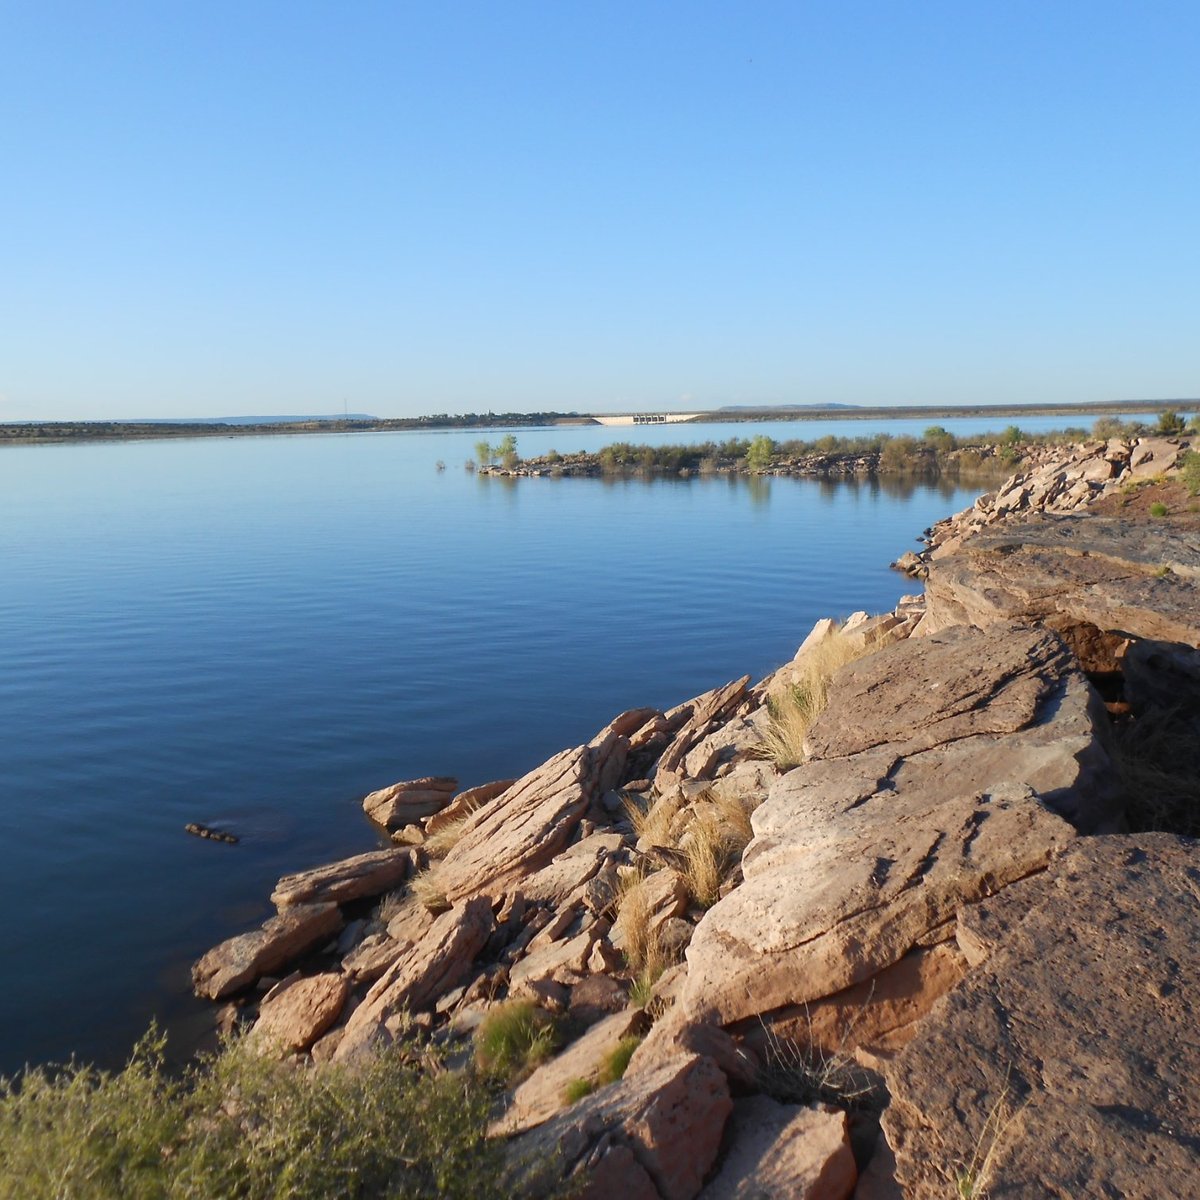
x=1079 y=1034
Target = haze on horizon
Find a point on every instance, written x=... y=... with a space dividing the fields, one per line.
x=411 y=209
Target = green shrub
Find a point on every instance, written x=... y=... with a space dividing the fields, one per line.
x=507 y=452
x=898 y=454
x=238 y=1124
x=1158 y=509
x=939 y=438
x=577 y=1089
x=759 y=454
x=1190 y=474
x=513 y=1038
x=1170 y=423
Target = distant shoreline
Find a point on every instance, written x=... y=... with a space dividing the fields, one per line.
x=24 y=433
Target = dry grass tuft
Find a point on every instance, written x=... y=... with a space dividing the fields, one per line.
x=428 y=891
x=972 y=1178
x=392 y=904
x=641 y=938
x=793 y=712
x=805 y=1073
x=707 y=854
x=633 y=921
x=438 y=845
x=651 y=823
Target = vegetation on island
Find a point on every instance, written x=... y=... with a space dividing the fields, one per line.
x=936 y=452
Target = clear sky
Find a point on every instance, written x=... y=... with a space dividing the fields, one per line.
x=225 y=208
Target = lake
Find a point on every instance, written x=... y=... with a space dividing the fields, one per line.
x=254 y=632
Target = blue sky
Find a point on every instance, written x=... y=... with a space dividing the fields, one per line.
x=223 y=208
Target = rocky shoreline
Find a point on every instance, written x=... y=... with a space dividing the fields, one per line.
x=927 y=941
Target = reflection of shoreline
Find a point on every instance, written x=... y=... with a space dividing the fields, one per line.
x=895 y=486
x=987 y=467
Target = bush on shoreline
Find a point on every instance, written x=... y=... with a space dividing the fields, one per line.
x=240 y=1124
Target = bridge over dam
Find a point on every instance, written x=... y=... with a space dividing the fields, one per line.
x=671 y=418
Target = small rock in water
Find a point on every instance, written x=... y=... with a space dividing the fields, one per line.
x=214 y=835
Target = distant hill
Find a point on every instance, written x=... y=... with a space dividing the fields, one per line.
x=780 y=407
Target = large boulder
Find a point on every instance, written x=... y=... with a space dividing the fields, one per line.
x=862 y=858
x=784 y=1152
x=544 y=1093
x=240 y=961
x=465 y=803
x=867 y=869
x=1065 y=1064
x=936 y=691
x=571 y=869
x=296 y=1012
x=698 y=718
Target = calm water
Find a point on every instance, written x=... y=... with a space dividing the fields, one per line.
x=254 y=632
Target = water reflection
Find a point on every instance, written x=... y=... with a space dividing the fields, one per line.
x=759 y=487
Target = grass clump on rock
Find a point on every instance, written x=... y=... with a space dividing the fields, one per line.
x=794 y=711
x=239 y=1124
x=514 y=1038
x=642 y=943
x=617 y=1059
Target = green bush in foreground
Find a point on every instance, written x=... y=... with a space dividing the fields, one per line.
x=246 y=1126
x=1191 y=472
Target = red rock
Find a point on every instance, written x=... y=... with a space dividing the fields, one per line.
x=410 y=800
x=238 y=962
x=437 y=962
x=784 y=1152
x=369 y=874
x=670 y=1121
x=299 y=1011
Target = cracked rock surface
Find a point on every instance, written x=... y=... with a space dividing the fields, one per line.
x=1141 y=579
x=862 y=857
